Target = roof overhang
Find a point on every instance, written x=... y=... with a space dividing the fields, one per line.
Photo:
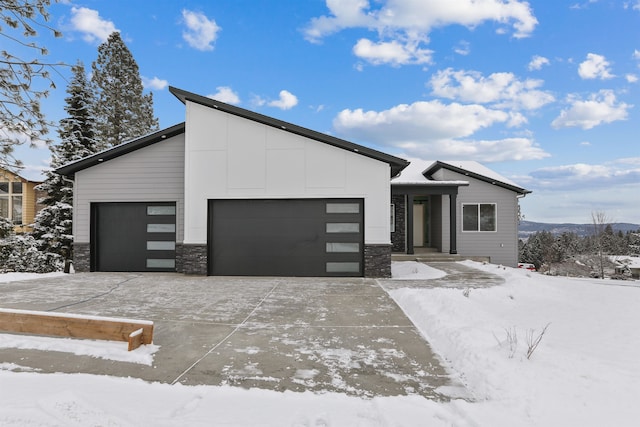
x=441 y=165
x=119 y=150
x=397 y=164
x=427 y=188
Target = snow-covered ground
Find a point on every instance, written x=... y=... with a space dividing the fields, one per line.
x=584 y=372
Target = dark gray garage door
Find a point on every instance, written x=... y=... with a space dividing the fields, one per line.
x=133 y=236
x=299 y=237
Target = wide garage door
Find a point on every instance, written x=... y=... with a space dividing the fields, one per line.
x=133 y=236
x=294 y=237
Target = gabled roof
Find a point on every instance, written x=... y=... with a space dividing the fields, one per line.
x=9 y=174
x=397 y=164
x=414 y=175
x=119 y=150
x=477 y=171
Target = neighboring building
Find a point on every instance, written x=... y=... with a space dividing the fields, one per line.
x=18 y=200
x=233 y=192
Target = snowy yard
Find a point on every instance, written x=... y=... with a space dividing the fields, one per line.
x=584 y=372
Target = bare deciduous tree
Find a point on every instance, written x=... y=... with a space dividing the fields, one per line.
x=600 y=221
x=25 y=78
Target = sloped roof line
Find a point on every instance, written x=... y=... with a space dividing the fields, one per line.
x=467 y=172
x=5 y=172
x=397 y=164
x=122 y=149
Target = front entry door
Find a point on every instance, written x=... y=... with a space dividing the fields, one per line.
x=418 y=225
x=421 y=223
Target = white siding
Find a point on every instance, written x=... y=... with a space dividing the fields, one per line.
x=502 y=245
x=230 y=157
x=151 y=174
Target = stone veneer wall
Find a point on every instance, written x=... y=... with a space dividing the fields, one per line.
x=398 y=238
x=377 y=260
x=82 y=257
x=179 y=258
x=191 y=259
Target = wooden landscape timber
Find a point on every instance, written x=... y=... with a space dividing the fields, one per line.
x=135 y=332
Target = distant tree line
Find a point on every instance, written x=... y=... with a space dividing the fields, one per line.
x=544 y=248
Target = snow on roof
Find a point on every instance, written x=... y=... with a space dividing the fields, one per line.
x=412 y=174
x=479 y=169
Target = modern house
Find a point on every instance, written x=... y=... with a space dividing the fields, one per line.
x=18 y=200
x=233 y=192
x=458 y=207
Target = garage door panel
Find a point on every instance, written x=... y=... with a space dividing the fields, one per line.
x=268 y=266
x=133 y=236
x=284 y=237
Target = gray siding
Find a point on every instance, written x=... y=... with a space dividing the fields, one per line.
x=502 y=245
x=151 y=174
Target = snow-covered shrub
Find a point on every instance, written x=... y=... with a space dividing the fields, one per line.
x=52 y=229
x=20 y=253
x=6 y=228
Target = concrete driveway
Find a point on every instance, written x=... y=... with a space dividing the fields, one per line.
x=342 y=335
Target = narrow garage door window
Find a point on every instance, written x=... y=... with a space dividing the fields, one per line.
x=134 y=236
x=294 y=237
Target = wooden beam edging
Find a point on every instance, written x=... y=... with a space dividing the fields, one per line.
x=135 y=332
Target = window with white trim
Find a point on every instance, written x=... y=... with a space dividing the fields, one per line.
x=11 y=201
x=479 y=217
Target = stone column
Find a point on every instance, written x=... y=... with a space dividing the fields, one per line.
x=377 y=260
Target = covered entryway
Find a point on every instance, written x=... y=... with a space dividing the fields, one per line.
x=133 y=236
x=421 y=224
x=422 y=218
x=291 y=237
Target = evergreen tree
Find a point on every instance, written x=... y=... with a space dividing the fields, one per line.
x=52 y=225
x=122 y=111
x=569 y=244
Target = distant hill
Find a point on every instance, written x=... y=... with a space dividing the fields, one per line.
x=526 y=228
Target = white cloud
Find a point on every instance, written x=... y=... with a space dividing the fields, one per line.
x=154 y=83
x=636 y=53
x=595 y=67
x=599 y=108
x=346 y=14
x=537 y=62
x=403 y=26
x=201 y=31
x=420 y=16
x=225 y=94
x=501 y=89
x=394 y=53
x=286 y=101
x=581 y=188
x=631 y=78
x=431 y=129
x=462 y=48
x=257 y=101
x=585 y=5
x=581 y=175
x=89 y=22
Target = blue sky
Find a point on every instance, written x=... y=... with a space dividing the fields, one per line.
x=545 y=93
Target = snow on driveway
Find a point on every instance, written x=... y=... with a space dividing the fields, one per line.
x=584 y=371
x=303 y=334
